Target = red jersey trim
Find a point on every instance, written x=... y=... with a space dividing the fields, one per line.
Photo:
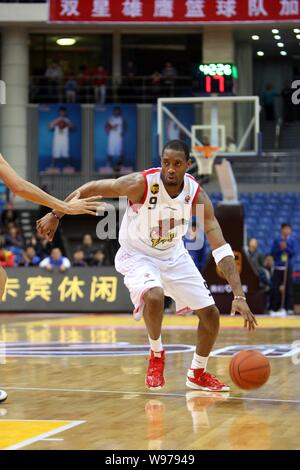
x=197 y=192
x=151 y=171
x=144 y=173
x=191 y=176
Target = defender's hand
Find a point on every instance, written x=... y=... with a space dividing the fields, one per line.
x=83 y=206
x=240 y=306
x=47 y=226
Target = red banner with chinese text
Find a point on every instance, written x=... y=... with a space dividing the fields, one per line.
x=173 y=11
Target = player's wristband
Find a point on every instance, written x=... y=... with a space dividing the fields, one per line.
x=53 y=213
x=240 y=297
x=222 y=252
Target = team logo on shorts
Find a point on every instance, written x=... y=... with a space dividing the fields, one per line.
x=154 y=188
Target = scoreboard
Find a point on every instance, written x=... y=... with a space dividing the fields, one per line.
x=220 y=79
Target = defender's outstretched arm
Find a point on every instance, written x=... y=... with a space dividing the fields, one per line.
x=32 y=193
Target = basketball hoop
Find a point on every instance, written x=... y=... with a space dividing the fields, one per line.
x=205 y=156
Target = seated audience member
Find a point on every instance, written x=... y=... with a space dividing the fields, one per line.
x=71 y=89
x=30 y=258
x=88 y=248
x=99 y=259
x=13 y=238
x=9 y=214
x=41 y=246
x=7 y=258
x=78 y=258
x=55 y=260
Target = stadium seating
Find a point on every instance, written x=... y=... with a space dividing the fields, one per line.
x=265 y=212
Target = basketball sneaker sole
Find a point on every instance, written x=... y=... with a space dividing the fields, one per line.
x=205 y=389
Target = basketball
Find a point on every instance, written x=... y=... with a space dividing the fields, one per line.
x=249 y=369
x=62 y=124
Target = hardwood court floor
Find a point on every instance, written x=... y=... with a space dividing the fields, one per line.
x=77 y=382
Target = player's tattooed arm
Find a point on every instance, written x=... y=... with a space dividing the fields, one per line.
x=216 y=239
x=227 y=264
x=132 y=186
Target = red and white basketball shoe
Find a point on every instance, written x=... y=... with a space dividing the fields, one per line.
x=155 y=373
x=198 y=379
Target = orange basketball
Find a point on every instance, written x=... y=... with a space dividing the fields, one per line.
x=249 y=369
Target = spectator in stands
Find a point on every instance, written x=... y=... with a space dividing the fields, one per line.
x=129 y=82
x=99 y=259
x=155 y=84
x=268 y=101
x=55 y=260
x=7 y=258
x=287 y=104
x=265 y=273
x=283 y=251
x=30 y=257
x=9 y=214
x=254 y=254
x=41 y=246
x=54 y=75
x=78 y=259
x=130 y=72
x=88 y=248
x=71 y=89
x=13 y=238
x=169 y=75
x=100 y=84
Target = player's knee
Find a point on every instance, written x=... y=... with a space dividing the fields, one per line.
x=209 y=317
x=154 y=299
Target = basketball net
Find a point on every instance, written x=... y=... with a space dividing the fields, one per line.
x=205 y=156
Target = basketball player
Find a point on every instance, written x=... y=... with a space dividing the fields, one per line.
x=155 y=263
x=32 y=193
x=61 y=127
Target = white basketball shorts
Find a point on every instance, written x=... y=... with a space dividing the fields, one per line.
x=178 y=277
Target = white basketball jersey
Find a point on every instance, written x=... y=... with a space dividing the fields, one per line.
x=156 y=225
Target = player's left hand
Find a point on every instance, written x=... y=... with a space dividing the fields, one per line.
x=89 y=205
x=240 y=306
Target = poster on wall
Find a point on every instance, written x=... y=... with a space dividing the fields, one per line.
x=59 y=140
x=115 y=137
x=185 y=114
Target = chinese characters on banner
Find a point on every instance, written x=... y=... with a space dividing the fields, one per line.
x=89 y=290
x=177 y=11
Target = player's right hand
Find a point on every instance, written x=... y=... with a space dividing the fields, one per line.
x=47 y=226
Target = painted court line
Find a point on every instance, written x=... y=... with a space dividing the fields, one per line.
x=42 y=436
x=52 y=439
x=120 y=392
